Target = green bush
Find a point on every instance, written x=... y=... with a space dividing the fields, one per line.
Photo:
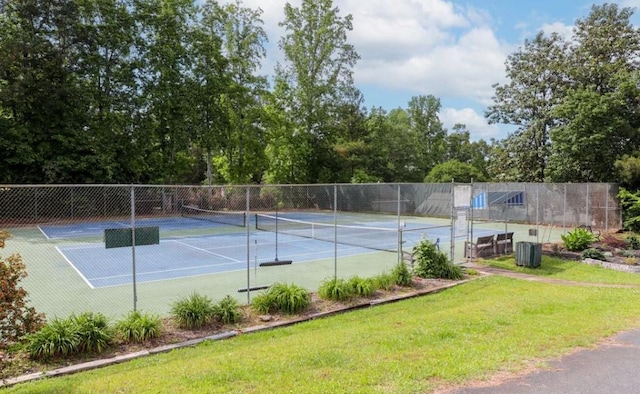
x=335 y=289
x=633 y=242
x=94 y=332
x=578 y=239
x=291 y=298
x=361 y=287
x=401 y=275
x=384 y=281
x=138 y=327
x=593 y=253
x=263 y=303
x=16 y=318
x=281 y=297
x=227 y=311
x=56 y=338
x=193 y=312
x=432 y=263
x=630 y=204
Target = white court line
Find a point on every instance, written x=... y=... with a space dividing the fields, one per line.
x=75 y=268
x=162 y=271
x=206 y=251
x=43 y=233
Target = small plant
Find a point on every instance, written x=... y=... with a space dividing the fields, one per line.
x=138 y=327
x=401 y=275
x=289 y=299
x=16 y=318
x=227 y=311
x=193 y=312
x=578 y=239
x=593 y=253
x=94 y=332
x=633 y=242
x=58 y=337
x=335 y=289
x=263 y=303
x=432 y=263
x=384 y=281
x=631 y=260
x=284 y=298
x=471 y=272
x=361 y=287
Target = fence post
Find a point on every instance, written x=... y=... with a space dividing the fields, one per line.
x=248 y=224
x=335 y=231
x=133 y=245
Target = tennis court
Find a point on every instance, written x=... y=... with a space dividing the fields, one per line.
x=269 y=238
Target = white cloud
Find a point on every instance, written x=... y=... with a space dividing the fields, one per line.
x=566 y=31
x=475 y=122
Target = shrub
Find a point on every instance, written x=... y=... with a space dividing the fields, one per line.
x=384 y=281
x=263 y=303
x=58 y=337
x=289 y=298
x=94 y=332
x=138 y=327
x=593 y=253
x=16 y=318
x=361 y=287
x=633 y=242
x=432 y=263
x=193 y=312
x=335 y=289
x=227 y=311
x=401 y=275
x=630 y=203
x=578 y=239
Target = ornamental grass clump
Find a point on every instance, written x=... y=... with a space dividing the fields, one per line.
x=193 y=312
x=138 y=327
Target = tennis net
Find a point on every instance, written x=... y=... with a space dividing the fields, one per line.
x=377 y=238
x=223 y=217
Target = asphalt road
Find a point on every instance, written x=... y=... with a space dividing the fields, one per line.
x=613 y=367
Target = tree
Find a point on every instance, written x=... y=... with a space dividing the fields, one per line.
x=599 y=118
x=314 y=80
x=166 y=74
x=39 y=87
x=428 y=132
x=241 y=158
x=453 y=170
x=536 y=84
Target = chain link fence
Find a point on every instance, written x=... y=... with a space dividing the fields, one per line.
x=237 y=240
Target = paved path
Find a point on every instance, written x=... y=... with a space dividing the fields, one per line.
x=612 y=367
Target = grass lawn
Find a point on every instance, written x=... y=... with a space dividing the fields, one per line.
x=462 y=334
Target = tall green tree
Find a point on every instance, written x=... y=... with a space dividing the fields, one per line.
x=428 y=133
x=599 y=118
x=242 y=157
x=166 y=74
x=536 y=84
x=317 y=75
x=40 y=89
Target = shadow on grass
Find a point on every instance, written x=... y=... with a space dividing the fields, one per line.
x=549 y=266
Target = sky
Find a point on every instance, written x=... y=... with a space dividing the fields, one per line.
x=454 y=50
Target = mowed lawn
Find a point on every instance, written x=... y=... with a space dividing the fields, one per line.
x=469 y=332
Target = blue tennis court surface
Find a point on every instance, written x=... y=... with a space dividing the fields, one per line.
x=185 y=257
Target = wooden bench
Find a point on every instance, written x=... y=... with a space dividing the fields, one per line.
x=504 y=243
x=483 y=247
